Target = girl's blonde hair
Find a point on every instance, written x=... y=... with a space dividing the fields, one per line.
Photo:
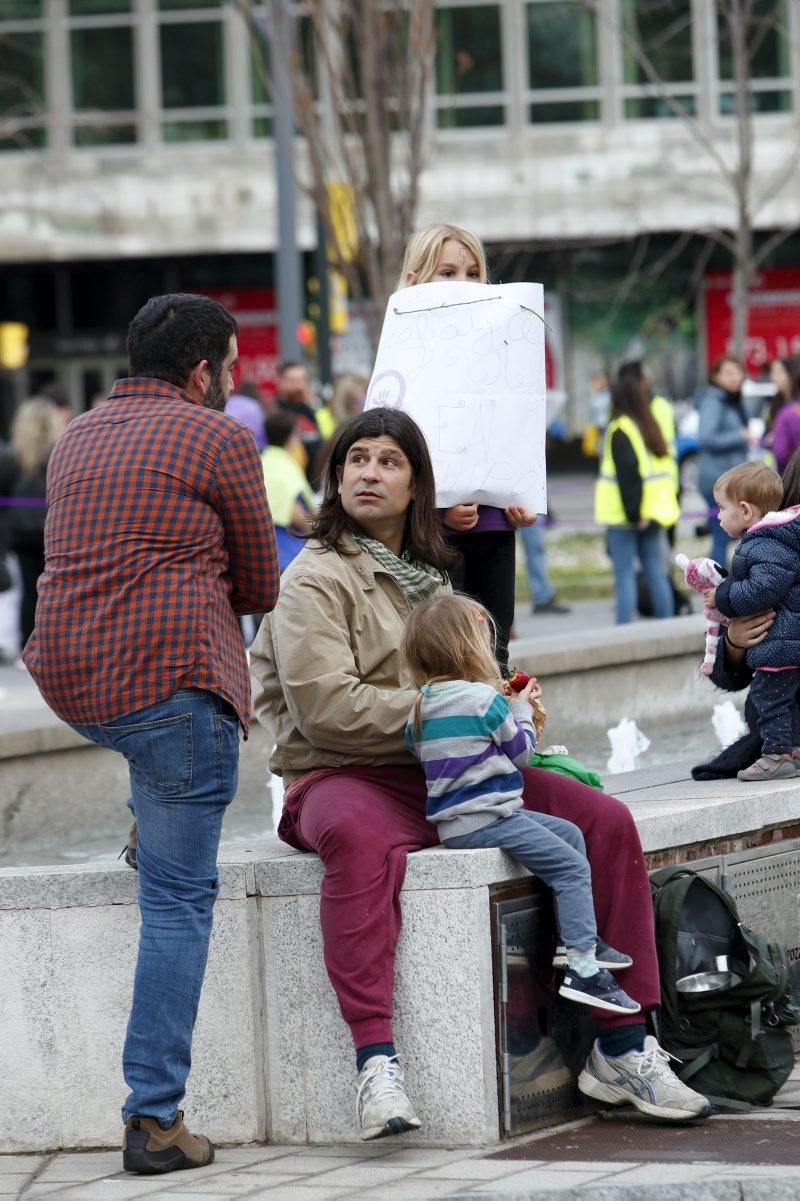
x=448 y=638
x=34 y=431
x=424 y=250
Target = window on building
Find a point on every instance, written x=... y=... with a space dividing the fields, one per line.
x=766 y=45
x=562 y=62
x=23 y=99
x=21 y=10
x=469 y=67
x=193 y=80
x=261 y=110
x=102 y=72
x=305 y=52
x=98 y=8
x=657 y=58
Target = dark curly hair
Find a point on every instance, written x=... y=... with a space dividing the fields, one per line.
x=422 y=539
x=171 y=334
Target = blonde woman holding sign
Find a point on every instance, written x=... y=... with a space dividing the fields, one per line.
x=483 y=534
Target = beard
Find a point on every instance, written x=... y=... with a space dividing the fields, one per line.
x=215 y=397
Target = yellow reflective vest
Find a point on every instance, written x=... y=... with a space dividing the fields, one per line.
x=665 y=419
x=659 y=502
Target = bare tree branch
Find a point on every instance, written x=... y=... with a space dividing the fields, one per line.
x=362 y=108
x=746 y=26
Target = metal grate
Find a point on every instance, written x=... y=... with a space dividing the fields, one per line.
x=765 y=883
x=542 y=1041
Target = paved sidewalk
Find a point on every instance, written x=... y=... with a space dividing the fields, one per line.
x=380 y=1171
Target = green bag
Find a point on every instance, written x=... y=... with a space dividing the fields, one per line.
x=565 y=765
x=734 y=1042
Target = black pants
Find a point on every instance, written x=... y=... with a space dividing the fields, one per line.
x=774 y=697
x=487 y=572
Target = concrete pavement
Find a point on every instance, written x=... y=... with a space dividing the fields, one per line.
x=381 y=1170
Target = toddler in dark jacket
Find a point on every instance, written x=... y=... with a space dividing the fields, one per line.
x=765 y=574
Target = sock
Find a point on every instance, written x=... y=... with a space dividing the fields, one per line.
x=365 y=1053
x=582 y=962
x=618 y=1040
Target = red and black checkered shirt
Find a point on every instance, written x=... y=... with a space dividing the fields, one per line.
x=158 y=533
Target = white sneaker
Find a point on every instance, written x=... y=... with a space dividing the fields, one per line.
x=644 y=1079
x=381 y=1102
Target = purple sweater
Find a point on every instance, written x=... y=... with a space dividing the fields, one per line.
x=786 y=433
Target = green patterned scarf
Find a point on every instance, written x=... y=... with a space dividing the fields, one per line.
x=417 y=581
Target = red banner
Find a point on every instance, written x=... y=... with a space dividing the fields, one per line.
x=773 y=324
x=254 y=309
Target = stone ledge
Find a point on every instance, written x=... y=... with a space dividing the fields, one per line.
x=83 y=885
x=435 y=868
x=582 y=650
x=39 y=731
x=670 y=809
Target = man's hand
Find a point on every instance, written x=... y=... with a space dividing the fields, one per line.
x=710 y=596
x=462 y=518
x=518 y=516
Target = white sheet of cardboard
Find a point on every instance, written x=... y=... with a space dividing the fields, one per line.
x=467 y=362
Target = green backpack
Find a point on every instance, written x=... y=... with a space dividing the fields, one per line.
x=734 y=1043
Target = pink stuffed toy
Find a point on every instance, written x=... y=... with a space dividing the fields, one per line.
x=699 y=575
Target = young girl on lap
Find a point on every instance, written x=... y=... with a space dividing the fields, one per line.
x=472 y=741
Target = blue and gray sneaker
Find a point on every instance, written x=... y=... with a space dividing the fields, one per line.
x=606 y=956
x=601 y=991
x=644 y=1079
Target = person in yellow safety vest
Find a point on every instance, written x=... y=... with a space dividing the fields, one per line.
x=661 y=409
x=635 y=500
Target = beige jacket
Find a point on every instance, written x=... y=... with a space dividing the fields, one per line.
x=327 y=665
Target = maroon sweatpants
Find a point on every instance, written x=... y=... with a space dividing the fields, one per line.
x=363 y=822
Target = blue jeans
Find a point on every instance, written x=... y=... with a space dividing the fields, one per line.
x=554 y=850
x=532 y=536
x=720 y=541
x=183 y=756
x=626 y=544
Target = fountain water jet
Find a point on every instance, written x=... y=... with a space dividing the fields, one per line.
x=627 y=743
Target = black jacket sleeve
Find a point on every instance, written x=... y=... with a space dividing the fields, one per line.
x=628 y=477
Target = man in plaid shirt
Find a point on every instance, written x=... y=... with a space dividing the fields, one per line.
x=158 y=535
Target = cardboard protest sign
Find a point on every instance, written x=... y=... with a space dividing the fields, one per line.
x=467 y=362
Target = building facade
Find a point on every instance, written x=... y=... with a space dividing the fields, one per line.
x=136 y=155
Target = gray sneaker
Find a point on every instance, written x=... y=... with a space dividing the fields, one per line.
x=644 y=1079
x=381 y=1102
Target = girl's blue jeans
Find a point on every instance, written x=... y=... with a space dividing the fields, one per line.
x=626 y=544
x=554 y=850
x=183 y=756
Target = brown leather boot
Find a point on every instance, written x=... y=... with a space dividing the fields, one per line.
x=130 y=850
x=148 y=1149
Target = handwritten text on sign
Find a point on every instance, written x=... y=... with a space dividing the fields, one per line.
x=467 y=362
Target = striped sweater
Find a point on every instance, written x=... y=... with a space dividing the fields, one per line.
x=471 y=743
